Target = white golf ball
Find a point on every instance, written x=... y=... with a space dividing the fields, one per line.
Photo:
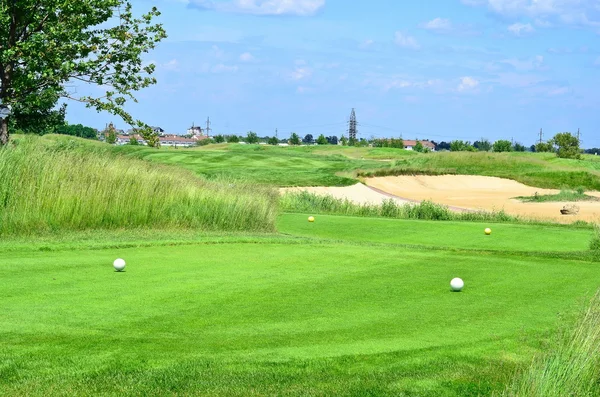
x=119 y=264
x=457 y=284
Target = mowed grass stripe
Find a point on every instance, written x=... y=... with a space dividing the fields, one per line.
x=280 y=301
x=464 y=235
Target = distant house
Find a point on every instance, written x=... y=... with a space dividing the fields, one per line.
x=178 y=140
x=195 y=130
x=158 y=130
x=165 y=140
x=409 y=144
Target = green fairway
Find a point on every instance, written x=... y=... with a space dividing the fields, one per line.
x=277 y=166
x=284 y=315
x=465 y=235
x=330 y=165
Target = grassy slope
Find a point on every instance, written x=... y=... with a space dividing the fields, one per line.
x=336 y=165
x=281 y=315
x=277 y=166
x=58 y=183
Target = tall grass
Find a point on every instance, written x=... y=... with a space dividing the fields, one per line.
x=595 y=242
x=304 y=201
x=571 y=367
x=564 y=195
x=64 y=183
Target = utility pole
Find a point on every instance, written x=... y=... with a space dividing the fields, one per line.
x=208 y=127
x=541 y=136
x=276 y=135
x=352 y=126
x=578 y=135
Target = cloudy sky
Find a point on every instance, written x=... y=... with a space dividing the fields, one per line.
x=437 y=69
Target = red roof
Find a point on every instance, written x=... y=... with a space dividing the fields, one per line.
x=412 y=143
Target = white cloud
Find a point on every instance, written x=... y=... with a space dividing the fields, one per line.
x=221 y=68
x=216 y=52
x=406 y=41
x=301 y=73
x=570 y=12
x=172 y=65
x=535 y=63
x=438 y=24
x=246 y=57
x=558 y=91
x=467 y=84
x=262 y=7
x=366 y=44
x=520 y=29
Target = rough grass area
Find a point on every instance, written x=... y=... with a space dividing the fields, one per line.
x=571 y=367
x=60 y=183
x=314 y=312
x=564 y=195
x=426 y=210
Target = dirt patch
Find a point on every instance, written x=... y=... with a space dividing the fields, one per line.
x=483 y=193
x=359 y=193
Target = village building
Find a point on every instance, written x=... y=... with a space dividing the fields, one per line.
x=410 y=144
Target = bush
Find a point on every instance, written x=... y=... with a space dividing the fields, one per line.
x=502 y=145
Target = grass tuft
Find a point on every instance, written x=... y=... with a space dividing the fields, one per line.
x=571 y=368
x=66 y=184
x=564 y=195
x=426 y=210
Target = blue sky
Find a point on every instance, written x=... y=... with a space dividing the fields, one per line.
x=436 y=69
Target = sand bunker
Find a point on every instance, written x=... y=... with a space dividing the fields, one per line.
x=483 y=193
x=358 y=193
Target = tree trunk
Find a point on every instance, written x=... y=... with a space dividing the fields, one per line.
x=4 y=131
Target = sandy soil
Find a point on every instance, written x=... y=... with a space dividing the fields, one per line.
x=358 y=193
x=483 y=193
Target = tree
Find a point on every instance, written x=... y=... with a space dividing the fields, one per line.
x=352 y=141
x=133 y=141
x=308 y=138
x=110 y=134
x=294 y=139
x=321 y=140
x=251 y=137
x=77 y=130
x=273 y=141
x=517 y=147
x=344 y=140
x=442 y=146
x=502 y=145
x=484 y=145
x=219 y=138
x=41 y=117
x=233 y=139
x=332 y=140
x=418 y=147
x=568 y=146
x=462 y=146
x=545 y=147
x=532 y=148
x=45 y=44
x=397 y=143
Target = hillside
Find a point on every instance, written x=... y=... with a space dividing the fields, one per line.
x=62 y=183
x=340 y=166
